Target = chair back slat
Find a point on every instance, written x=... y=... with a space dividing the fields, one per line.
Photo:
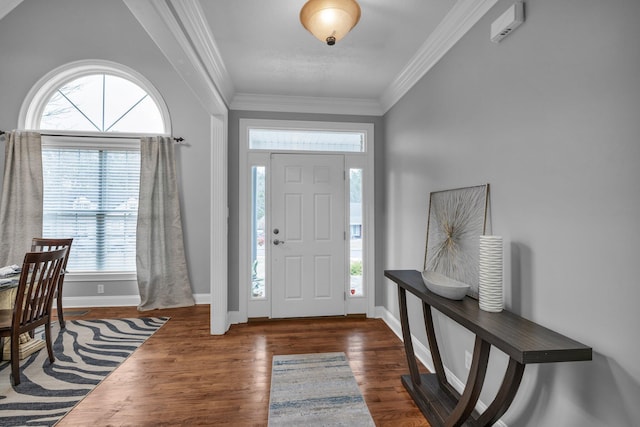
x=42 y=244
x=37 y=286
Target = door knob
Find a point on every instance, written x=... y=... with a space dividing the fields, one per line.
x=278 y=242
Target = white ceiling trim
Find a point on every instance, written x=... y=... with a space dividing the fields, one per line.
x=185 y=21
x=194 y=23
x=464 y=15
x=7 y=6
x=163 y=26
x=306 y=104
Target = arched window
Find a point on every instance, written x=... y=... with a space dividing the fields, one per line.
x=91 y=114
x=101 y=103
x=95 y=97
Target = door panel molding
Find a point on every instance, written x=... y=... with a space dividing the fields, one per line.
x=308 y=209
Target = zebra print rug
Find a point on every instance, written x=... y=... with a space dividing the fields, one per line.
x=86 y=352
x=316 y=390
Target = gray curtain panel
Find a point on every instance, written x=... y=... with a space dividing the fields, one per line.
x=163 y=278
x=21 y=202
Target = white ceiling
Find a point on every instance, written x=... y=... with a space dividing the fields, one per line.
x=255 y=54
x=267 y=51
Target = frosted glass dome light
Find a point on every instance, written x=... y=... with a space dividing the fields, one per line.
x=330 y=20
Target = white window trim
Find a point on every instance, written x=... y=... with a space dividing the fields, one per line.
x=110 y=276
x=81 y=142
x=36 y=100
x=250 y=157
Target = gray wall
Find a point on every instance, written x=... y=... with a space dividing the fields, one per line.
x=38 y=36
x=234 y=135
x=550 y=117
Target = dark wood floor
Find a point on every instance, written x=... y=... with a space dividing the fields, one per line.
x=184 y=376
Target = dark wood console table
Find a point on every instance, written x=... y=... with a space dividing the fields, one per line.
x=522 y=340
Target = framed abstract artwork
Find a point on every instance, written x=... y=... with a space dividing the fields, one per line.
x=455 y=221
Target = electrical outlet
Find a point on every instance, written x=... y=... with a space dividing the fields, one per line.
x=101 y=289
x=467 y=359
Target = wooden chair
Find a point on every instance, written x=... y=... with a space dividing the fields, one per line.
x=41 y=244
x=34 y=297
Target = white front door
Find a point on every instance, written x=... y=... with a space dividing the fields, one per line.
x=307 y=236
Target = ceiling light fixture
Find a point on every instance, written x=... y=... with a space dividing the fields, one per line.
x=330 y=20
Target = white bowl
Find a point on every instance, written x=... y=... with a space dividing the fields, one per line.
x=444 y=286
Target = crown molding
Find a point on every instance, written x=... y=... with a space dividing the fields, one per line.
x=193 y=52
x=7 y=6
x=460 y=19
x=163 y=24
x=462 y=16
x=306 y=104
x=195 y=25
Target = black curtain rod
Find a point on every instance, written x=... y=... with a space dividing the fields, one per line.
x=176 y=139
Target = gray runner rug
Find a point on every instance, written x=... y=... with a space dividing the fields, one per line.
x=86 y=352
x=315 y=390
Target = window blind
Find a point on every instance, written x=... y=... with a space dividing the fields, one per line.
x=91 y=194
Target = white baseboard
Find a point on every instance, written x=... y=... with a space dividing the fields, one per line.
x=422 y=352
x=116 y=301
x=424 y=356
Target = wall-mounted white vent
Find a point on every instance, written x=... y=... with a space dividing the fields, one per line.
x=507 y=22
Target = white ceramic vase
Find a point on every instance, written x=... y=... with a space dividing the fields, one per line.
x=490 y=296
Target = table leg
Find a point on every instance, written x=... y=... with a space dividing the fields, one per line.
x=406 y=336
x=505 y=395
x=433 y=345
x=472 y=390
